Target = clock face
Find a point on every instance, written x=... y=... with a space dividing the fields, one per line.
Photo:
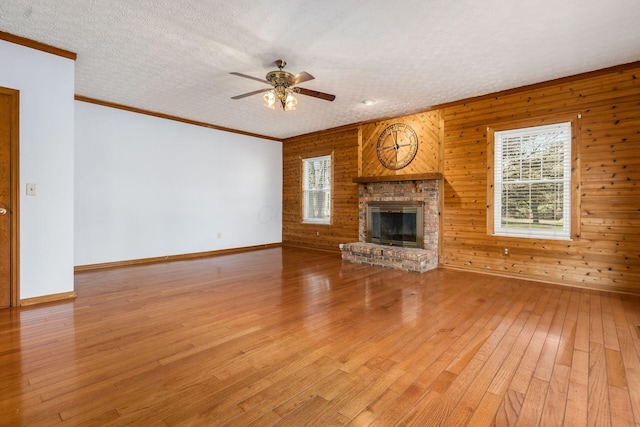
x=397 y=146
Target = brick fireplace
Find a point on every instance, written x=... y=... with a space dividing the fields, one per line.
x=408 y=259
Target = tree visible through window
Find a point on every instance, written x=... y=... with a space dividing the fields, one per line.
x=532 y=195
x=316 y=177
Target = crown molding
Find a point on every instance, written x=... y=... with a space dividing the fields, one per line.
x=568 y=79
x=169 y=117
x=541 y=85
x=37 y=45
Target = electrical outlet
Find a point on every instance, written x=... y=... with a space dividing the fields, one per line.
x=317 y=234
x=219 y=235
x=31 y=189
x=506 y=251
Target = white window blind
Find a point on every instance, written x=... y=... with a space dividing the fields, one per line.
x=316 y=189
x=532 y=182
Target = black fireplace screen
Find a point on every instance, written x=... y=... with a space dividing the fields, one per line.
x=395 y=223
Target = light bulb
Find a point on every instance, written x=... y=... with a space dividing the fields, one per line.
x=290 y=102
x=269 y=100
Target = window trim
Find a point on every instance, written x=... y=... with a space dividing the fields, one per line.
x=574 y=119
x=304 y=220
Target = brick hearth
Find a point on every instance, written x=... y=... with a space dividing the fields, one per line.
x=409 y=259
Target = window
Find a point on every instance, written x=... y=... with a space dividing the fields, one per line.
x=532 y=180
x=316 y=190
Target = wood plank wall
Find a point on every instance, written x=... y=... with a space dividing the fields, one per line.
x=606 y=254
x=427 y=128
x=343 y=144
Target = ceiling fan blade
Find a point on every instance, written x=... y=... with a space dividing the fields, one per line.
x=300 y=78
x=316 y=94
x=249 y=77
x=255 y=92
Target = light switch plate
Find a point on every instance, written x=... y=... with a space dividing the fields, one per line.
x=31 y=189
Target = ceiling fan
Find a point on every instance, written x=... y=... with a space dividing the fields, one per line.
x=283 y=87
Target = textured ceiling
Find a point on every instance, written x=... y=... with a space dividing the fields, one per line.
x=174 y=57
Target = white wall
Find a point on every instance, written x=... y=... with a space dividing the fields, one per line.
x=148 y=187
x=45 y=83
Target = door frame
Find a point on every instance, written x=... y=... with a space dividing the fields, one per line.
x=14 y=205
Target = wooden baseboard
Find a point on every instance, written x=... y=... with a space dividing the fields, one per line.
x=311 y=248
x=616 y=289
x=48 y=298
x=168 y=258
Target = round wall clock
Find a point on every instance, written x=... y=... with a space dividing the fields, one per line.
x=397 y=146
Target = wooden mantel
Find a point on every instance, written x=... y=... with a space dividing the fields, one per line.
x=389 y=178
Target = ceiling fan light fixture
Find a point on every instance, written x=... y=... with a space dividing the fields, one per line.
x=290 y=102
x=270 y=99
x=284 y=85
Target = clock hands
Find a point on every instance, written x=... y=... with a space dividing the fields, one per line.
x=395 y=147
x=395 y=139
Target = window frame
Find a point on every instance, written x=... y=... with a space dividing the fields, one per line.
x=303 y=189
x=574 y=187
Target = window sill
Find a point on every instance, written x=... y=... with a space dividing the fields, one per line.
x=532 y=236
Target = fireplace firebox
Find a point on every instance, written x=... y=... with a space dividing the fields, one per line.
x=397 y=223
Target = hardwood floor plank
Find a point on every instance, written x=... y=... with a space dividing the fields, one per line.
x=370 y=394
x=301 y=338
x=533 y=403
x=267 y=419
x=221 y=406
x=412 y=389
x=598 y=401
x=631 y=362
x=356 y=383
x=495 y=363
x=345 y=383
x=555 y=402
x=505 y=374
x=522 y=378
x=510 y=408
x=532 y=355
x=481 y=345
x=286 y=389
x=616 y=376
x=445 y=345
x=546 y=362
x=620 y=407
x=619 y=315
x=609 y=324
x=485 y=412
x=303 y=415
x=441 y=408
x=584 y=323
x=373 y=409
x=568 y=336
x=577 y=398
x=596 y=333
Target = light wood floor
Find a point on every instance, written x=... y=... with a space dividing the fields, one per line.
x=296 y=337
